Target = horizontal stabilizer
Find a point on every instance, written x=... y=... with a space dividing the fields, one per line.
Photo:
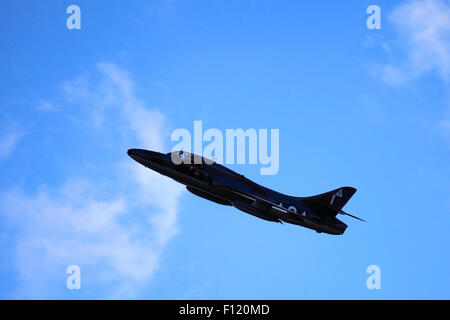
x=350 y=215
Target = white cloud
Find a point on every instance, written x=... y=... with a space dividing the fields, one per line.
x=46 y=106
x=117 y=238
x=139 y=117
x=424 y=30
x=7 y=144
x=57 y=229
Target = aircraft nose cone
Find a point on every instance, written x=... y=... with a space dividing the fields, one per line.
x=145 y=157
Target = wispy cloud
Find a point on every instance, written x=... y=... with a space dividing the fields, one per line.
x=46 y=106
x=7 y=144
x=116 y=237
x=421 y=47
x=423 y=28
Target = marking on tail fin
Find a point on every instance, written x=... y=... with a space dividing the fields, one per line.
x=337 y=194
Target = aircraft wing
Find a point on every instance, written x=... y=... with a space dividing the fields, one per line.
x=258 y=200
x=266 y=207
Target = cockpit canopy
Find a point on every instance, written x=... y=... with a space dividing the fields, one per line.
x=179 y=157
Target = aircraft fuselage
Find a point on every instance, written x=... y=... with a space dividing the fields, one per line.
x=219 y=184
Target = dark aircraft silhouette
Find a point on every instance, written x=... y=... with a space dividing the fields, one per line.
x=214 y=182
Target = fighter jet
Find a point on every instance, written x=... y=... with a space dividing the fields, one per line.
x=207 y=179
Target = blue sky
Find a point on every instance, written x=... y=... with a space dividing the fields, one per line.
x=358 y=107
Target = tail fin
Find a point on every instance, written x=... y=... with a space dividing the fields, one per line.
x=335 y=199
x=332 y=202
